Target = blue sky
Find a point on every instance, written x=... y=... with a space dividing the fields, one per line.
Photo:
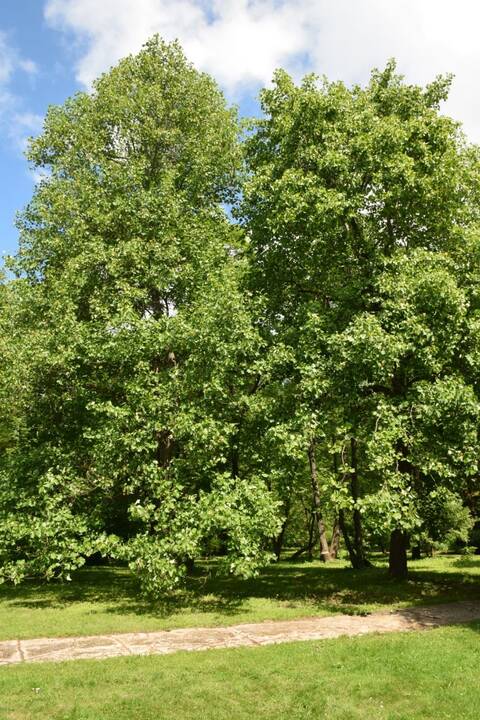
x=38 y=74
x=50 y=49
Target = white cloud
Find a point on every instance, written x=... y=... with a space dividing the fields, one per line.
x=241 y=42
x=6 y=60
x=38 y=176
x=29 y=121
x=237 y=41
x=28 y=66
x=22 y=126
x=6 y=69
x=10 y=63
x=428 y=37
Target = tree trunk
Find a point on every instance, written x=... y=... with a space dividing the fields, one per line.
x=324 y=550
x=164 y=448
x=309 y=546
x=357 y=563
x=335 y=543
x=278 y=540
x=190 y=564
x=416 y=552
x=164 y=440
x=397 y=563
x=346 y=537
x=361 y=560
x=311 y=536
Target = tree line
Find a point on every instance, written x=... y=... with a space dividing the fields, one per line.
x=219 y=336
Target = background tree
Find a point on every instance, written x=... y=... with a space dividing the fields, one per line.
x=345 y=184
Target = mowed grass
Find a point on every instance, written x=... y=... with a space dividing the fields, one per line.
x=108 y=600
x=411 y=676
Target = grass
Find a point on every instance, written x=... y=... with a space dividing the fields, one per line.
x=426 y=676
x=107 y=600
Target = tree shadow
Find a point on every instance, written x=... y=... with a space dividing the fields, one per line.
x=341 y=589
x=468 y=562
x=441 y=615
x=93 y=585
x=331 y=588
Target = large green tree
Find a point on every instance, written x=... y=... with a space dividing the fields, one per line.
x=137 y=336
x=347 y=188
x=171 y=385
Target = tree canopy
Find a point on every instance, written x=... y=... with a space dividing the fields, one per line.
x=359 y=204
x=176 y=382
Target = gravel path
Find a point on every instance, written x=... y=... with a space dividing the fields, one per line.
x=265 y=633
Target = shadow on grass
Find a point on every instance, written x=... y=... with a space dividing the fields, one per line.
x=331 y=588
x=468 y=562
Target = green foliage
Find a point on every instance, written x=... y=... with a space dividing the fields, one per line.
x=172 y=382
x=138 y=345
x=362 y=212
x=445 y=519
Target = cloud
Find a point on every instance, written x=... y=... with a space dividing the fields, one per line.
x=6 y=69
x=28 y=66
x=428 y=37
x=16 y=125
x=23 y=125
x=241 y=42
x=10 y=63
x=6 y=60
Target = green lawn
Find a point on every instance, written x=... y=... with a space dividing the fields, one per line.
x=101 y=600
x=426 y=676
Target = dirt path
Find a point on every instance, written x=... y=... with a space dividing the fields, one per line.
x=265 y=633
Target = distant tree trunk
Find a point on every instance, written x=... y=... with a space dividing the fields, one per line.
x=311 y=541
x=164 y=448
x=337 y=528
x=278 y=540
x=416 y=552
x=335 y=542
x=164 y=440
x=311 y=536
x=190 y=565
x=397 y=563
x=310 y=520
x=356 y=562
x=324 y=549
x=361 y=560
x=355 y=551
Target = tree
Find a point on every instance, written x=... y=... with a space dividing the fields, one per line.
x=416 y=399
x=344 y=186
x=139 y=341
x=171 y=383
